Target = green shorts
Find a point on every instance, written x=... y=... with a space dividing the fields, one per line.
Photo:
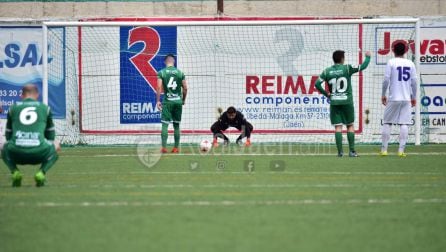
x=35 y=155
x=171 y=112
x=342 y=114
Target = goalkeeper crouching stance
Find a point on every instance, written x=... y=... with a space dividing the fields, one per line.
x=29 y=137
x=232 y=118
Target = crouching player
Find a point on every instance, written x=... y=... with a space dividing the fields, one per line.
x=29 y=137
x=232 y=118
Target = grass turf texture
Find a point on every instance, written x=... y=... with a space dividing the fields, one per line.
x=105 y=199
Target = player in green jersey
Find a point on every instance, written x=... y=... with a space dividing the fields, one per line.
x=172 y=82
x=342 y=112
x=30 y=136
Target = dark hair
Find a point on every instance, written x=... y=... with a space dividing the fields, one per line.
x=30 y=89
x=169 y=55
x=338 y=56
x=399 y=49
x=231 y=110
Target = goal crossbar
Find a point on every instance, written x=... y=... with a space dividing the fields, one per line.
x=234 y=22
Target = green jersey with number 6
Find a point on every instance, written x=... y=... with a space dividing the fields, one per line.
x=339 y=81
x=172 y=83
x=29 y=124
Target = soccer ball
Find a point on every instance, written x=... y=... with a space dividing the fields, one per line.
x=205 y=146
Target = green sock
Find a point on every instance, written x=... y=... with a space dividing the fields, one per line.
x=164 y=134
x=351 y=140
x=176 y=134
x=338 y=137
x=8 y=161
x=49 y=163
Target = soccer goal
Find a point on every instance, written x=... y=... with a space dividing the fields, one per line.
x=265 y=68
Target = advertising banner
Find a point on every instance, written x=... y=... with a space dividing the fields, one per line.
x=21 y=64
x=142 y=52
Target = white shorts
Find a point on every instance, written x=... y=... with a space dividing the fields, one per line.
x=398 y=112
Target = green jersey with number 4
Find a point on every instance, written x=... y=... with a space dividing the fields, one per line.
x=339 y=82
x=29 y=124
x=172 y=83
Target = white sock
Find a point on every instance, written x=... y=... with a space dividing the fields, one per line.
x=404 y=133
x=385 y=137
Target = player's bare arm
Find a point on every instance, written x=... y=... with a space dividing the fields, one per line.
x=384 y=100
x=159 y=90
x=413 y=87
x=184 y=82
x=385 y=84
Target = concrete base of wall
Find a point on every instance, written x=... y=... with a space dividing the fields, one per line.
x=74 y=10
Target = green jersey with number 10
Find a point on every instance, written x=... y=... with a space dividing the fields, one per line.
x=172 y=83
x=339 y=81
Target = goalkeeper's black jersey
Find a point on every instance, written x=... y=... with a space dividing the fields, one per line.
x=238 y=121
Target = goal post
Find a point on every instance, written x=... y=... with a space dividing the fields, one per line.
x=418 y=97
x=266 y=68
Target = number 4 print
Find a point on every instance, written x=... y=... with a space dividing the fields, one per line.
x=151 y=40
x=172 y=83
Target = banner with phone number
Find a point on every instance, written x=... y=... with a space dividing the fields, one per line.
x=21 y=64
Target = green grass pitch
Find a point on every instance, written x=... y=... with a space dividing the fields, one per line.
x=266 y=198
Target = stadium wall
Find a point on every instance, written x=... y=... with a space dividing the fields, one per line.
x=140 y=8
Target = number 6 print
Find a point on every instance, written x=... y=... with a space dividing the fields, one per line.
x=28 y=116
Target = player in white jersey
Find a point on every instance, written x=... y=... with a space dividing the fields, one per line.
x=400 y=80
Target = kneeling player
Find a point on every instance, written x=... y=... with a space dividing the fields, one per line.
x=30 y=137
x=232 y=118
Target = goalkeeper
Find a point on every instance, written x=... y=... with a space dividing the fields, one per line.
x=30 y=137
x=232 y=118
x=172 y=82
x=342 y=111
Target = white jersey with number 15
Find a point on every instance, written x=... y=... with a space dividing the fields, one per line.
x=400 y=73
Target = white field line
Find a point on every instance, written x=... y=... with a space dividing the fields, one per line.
x=152 y=186
x=223 y=172
x=257 y=154
x=226 y=203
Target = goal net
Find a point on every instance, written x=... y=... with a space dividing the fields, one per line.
x=266 y=69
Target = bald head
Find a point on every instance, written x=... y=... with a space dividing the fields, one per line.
x=30 y=91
